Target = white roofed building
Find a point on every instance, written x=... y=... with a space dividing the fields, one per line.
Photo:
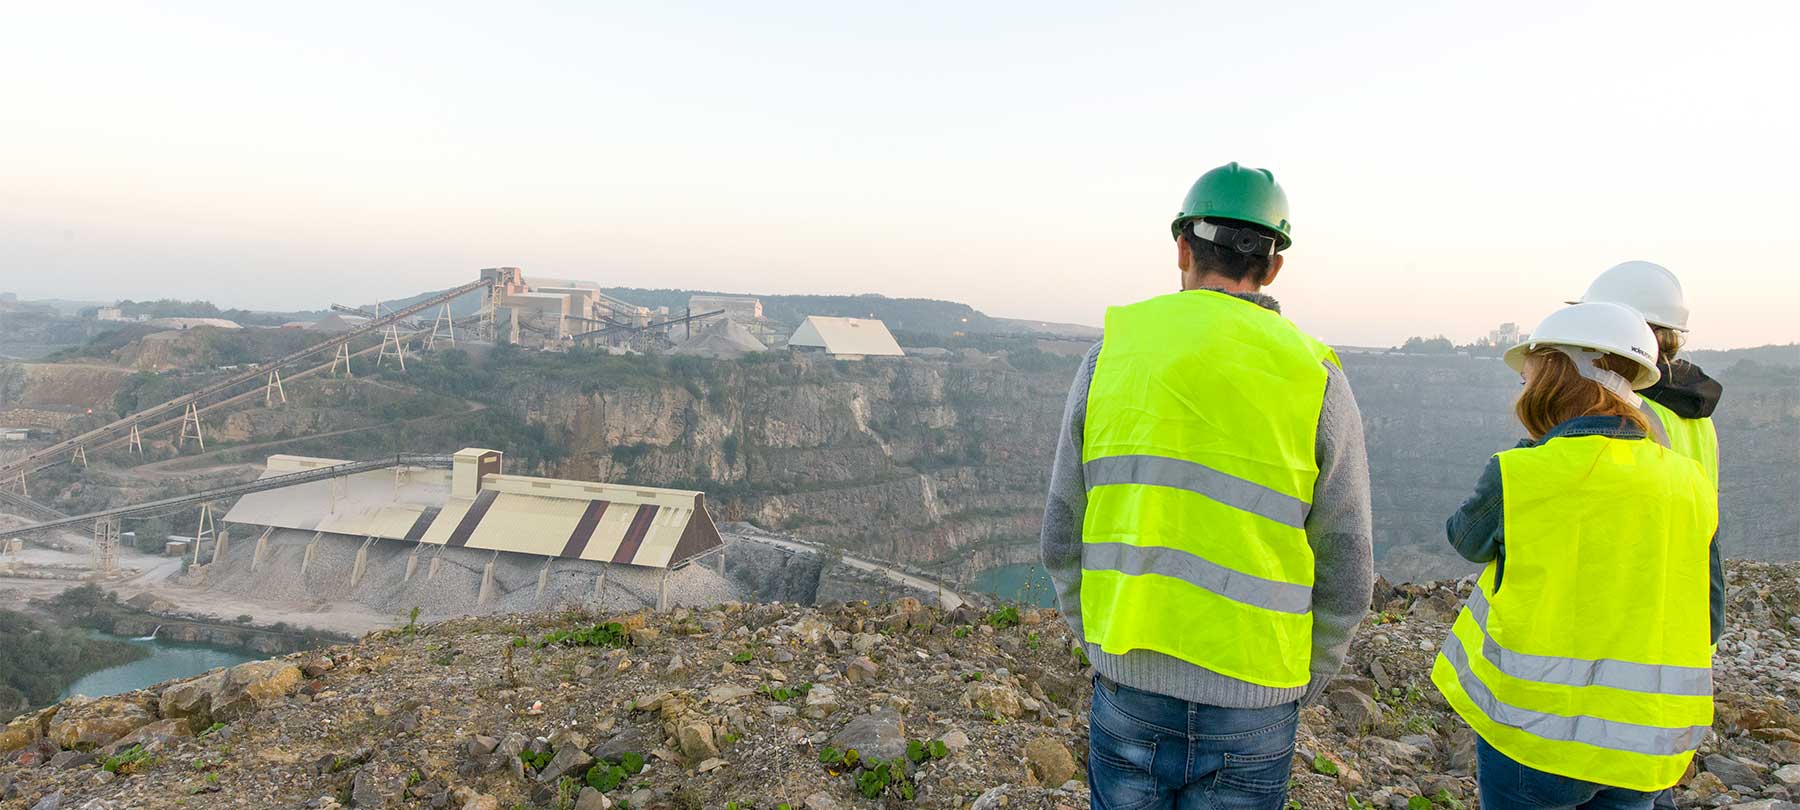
x=846 y=338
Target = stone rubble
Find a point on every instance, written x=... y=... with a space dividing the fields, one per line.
x=748 y=704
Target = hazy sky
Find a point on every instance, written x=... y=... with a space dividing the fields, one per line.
x=1450 y=165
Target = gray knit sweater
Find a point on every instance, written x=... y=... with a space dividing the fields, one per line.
x=1337 y=528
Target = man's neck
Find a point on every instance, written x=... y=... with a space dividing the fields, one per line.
x=1214 y=281
x=1260 y=299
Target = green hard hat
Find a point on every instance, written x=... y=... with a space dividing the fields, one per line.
x=1234 y=192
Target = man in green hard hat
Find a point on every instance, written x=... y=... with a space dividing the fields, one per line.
x=1208 y=519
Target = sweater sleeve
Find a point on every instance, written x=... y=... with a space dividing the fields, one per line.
x=1059 y=543
x=1339 y=530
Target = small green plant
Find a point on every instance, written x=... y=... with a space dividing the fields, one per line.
x=783 y=694
x=412 y=622
x=610 y=634
x=962 y=631
x=874 y=777
x=743 y=657
x=535 y=761
x=1418 y=803
x=212 y=778
x=971 y=676
x=608 y=775
x=127 y=761
x=1353 y=803
x=874 y=781
x=918 y=751
x=1325 y=766
x=1032 y=641
x=1080 y=653
x=604 y=777
x=212 y=729
x=1443 y=797
x=413 y=777
x=1003 y=617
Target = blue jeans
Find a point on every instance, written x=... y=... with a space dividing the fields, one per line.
x=1507 y=785
x=1149 y=750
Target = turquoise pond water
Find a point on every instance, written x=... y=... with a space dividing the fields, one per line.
x=1023 y=582
x=167 y=660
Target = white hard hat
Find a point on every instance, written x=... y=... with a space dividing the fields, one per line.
x=1596 y=327
x=1646 y=287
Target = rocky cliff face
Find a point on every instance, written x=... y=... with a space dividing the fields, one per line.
x=762 y=705
x=915 y=461
x=50 y=395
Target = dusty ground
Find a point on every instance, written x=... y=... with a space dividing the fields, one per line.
x=155 y=573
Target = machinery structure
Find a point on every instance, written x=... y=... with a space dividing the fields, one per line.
x=128 y=427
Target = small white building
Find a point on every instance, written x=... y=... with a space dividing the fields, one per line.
x=845 y=338
x=109 y=314
x=740 y=308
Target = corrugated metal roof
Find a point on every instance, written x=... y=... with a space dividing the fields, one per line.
x=860 y=336
x=645 y=526
x=381 y=503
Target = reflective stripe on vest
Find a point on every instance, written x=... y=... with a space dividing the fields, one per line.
x=1627 y=675
x=1697 y=439
x=1198 y=454
x=1593 y=660
x=1156 y=471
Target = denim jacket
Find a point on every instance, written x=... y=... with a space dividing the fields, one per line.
x=1476 y=531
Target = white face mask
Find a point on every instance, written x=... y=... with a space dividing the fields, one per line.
x=1587 y=365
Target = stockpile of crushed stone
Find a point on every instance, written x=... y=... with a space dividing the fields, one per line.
x=722 y=339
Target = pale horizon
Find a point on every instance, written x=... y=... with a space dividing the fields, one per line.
x=1449 y=168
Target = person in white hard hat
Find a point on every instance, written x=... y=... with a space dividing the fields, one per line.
x=1684 y=399
x=1582 y=658
x=1681 y=404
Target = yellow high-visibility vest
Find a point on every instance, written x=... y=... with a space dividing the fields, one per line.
x=1695 y=438
x=1198 y=454
x=1593 y=660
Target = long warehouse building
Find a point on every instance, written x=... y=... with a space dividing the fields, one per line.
x=474 y=505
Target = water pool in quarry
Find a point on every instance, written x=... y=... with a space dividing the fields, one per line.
x=1028 y=583
x=168 y=660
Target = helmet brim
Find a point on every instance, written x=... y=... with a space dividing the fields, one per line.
x=1647 y=373
x=1282 y=240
